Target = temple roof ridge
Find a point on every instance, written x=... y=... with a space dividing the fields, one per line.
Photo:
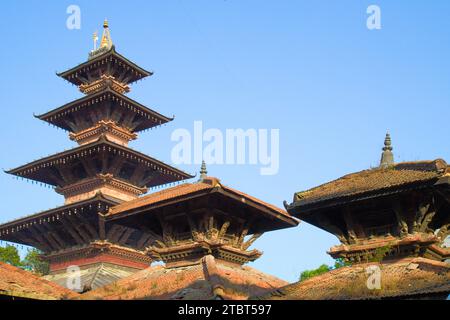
x=396 y=175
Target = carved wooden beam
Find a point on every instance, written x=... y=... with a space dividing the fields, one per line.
x=168 y=234
x=126 y=79
x=137 y=174
x=348 y=218
x=148 y=178
x=332 y=228
x=224 y=229
x=82 y=79
x=142 y=240
x=41 y=230
x=62 y=244
x=123 y=239
x=65 y=173
x=89 y=166
x=31 y=240
x=242 y=236
x=115 y=233
x=402 y=225
x=250 y=241
x=128 y=119
x=116 y=165
x=72 y=125
x=40 y=239
x=88 y=225
x=93 y=116
x=59 y=180
x=123 y=74
x=116 y=114
x=89 y=77
x=424 y=216
x=72 y=232
x=137 y=122
x=77 y=226
x=152 y=234
x=80 y=121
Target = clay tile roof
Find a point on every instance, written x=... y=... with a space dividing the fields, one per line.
x=374 y=180
x=407 y=278
x=201 y=281
x=166 y=194
x=16 y=282
x=209 y=184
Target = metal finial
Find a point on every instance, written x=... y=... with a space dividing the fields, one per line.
x=95 y=38
x=387 y=157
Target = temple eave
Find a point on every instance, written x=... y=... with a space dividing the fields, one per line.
x=15 y=227
x=111 y=55
x=148 y=117
x=41 y=170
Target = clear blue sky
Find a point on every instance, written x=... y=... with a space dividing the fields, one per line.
x=310 y=68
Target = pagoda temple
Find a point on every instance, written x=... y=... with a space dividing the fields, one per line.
x=202 y=232
x=395 y=217
x=102 y=171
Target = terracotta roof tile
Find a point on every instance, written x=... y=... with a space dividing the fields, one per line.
x=191 y=282
x=374 y=180
x=409 y=277
x=187 y=189
x=16 y=282
x=170 y=193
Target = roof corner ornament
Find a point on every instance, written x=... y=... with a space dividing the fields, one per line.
x=105 y=43
x=387 y=157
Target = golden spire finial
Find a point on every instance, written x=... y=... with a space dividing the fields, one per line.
x=106 y=41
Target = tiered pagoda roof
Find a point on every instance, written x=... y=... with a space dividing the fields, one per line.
x=102 y=171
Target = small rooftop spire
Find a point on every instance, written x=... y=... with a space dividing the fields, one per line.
x=105 y=42
x=387 y=157
x=203 y=171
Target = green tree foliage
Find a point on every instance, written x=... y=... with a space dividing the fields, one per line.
x=307 y=274
x=339 y=263
x=10 y=255
x=34 y=263
x=312 y=273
